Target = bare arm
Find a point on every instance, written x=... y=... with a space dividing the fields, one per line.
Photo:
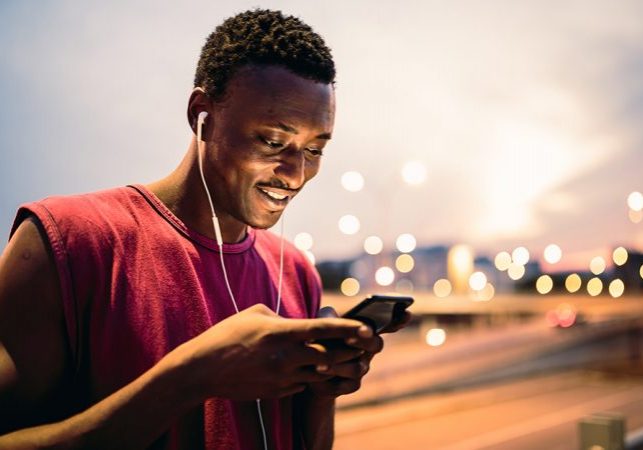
x=254 y=354
x=317 y=415
x=34 y=357
x=34 y=363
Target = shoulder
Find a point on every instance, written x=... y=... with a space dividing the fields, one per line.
x=83 y=215
x=91 y=205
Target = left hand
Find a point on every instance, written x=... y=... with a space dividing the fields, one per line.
x=350 y=360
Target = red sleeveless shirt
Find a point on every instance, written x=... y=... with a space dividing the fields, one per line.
x=136 y=283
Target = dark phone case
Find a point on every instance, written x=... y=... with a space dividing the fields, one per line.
x=401 y=303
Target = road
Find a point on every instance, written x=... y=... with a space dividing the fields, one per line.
x=536 y=413
x=509 y=385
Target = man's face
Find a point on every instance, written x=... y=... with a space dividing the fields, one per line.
x=268 y=135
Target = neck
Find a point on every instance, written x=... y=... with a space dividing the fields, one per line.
x=182 y=192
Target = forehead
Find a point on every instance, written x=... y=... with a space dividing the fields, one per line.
x=273 y=93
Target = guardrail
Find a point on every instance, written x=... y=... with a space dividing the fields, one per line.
x=606 y=431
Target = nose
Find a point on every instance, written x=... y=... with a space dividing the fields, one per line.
x=292 y=168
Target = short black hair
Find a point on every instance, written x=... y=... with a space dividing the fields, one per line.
x=262 y=37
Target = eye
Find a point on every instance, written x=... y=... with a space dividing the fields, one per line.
x=272 y=144
x=315 y=151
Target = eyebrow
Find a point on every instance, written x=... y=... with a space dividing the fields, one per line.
x=292 y=130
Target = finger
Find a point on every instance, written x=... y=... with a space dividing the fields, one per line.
x=338 y=386
x=347 y=386
x=353 y=370
x=311 y=375
x=343 y=354
x=373 y=344
x=336 y=350
x=326 y=328
x=327 y=311
x=291 y=390
x=315 y=354
x=309 y=354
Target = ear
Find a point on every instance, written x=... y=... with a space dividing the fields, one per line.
x=199 y=101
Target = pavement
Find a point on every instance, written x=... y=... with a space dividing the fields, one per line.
x=515 y=383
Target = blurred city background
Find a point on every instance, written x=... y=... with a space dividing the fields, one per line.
x=487 y=159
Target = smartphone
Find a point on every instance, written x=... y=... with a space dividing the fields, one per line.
x=379 y=311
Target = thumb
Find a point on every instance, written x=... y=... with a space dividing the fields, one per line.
x=327 y=311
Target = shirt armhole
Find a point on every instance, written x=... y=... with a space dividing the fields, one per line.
x=56 y=243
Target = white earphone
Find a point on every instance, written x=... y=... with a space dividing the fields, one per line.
x=199 y=138
x=217 y=232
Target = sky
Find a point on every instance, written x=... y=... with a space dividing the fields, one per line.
x=526 y=115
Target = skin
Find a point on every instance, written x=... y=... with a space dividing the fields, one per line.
x=273 y=146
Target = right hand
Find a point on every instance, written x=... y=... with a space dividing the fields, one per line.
x=258 y=354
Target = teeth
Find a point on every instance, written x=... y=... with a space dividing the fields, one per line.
x=274 y=195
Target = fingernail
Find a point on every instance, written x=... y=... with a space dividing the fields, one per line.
x=321 y=368
x=365 y=331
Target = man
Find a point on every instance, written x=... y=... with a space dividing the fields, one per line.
x=123 y=322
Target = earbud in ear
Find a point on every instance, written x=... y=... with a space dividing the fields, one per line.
x=199 y=124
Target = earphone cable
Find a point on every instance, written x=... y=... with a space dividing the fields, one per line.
x=217 y=232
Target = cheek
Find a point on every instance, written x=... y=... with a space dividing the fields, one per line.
x=312 y=168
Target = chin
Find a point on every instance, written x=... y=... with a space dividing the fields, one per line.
x=265 y=222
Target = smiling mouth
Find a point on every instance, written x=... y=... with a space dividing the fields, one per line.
x=274 y=195
x=278 y=199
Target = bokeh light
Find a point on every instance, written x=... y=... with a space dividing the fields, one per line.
x=516 y=271
x=551 y=318
x=594 y=286
x=384 y=276
x=477 y=281
x=544 y=284
x=566 y=315
x=303 y=241
x=552 y=253
x=436 y=337
x=349 y=224
x=442 y=288
x=520 y=256
x=373 y=245
x=573 y=283
x=635 y=201
x=404 y=286
x=619 y=256
x=405 y=243
x=488 y=292
x=641 y=271
x=597 y=265
x=485 y=294
x=635 y=216
x=616 y=288
x=502 y=261
x=310 y=256
x=414 y=173
x=350 y=287
x=352 y=181
x=404 y=263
